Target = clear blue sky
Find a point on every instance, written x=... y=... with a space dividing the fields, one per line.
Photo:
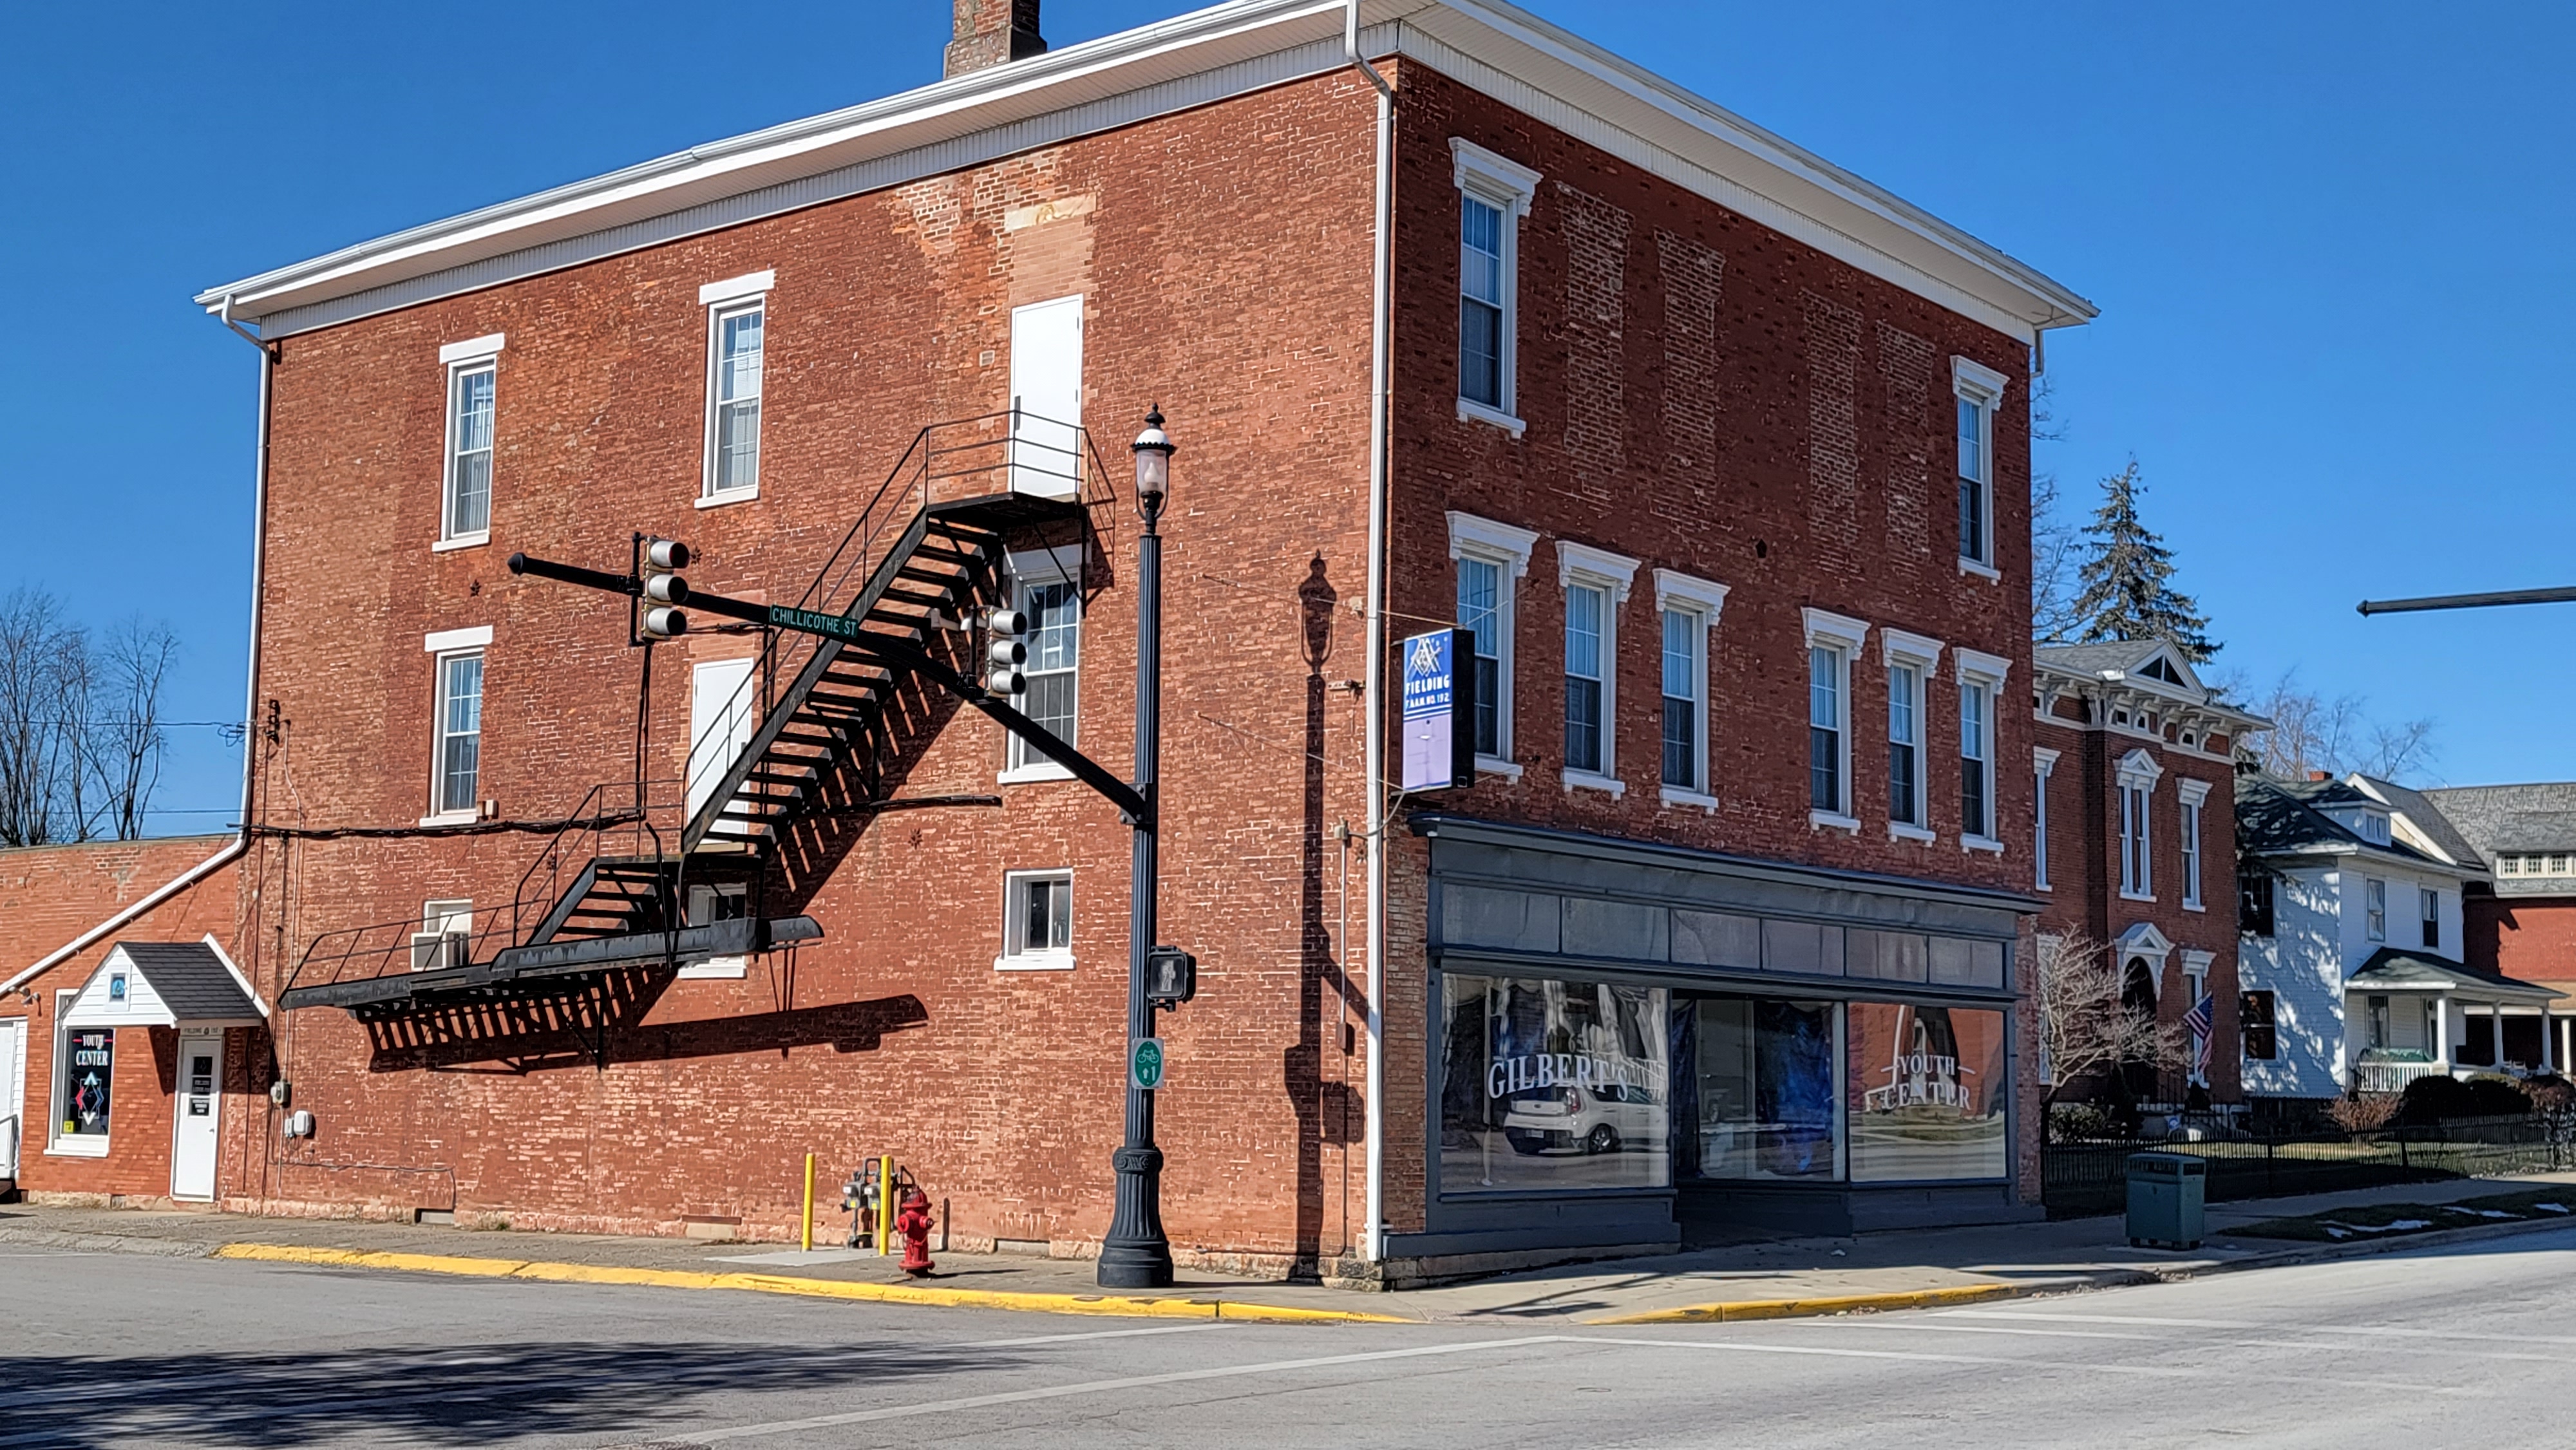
x=2330 y=242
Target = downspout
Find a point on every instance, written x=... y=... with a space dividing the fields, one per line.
x=232 y=849
x=1373 y=699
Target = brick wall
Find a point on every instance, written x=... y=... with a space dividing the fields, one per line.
x=2528 y=938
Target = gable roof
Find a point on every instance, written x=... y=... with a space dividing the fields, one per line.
x=2153 y=665
x=1153 y=70
x=2411 y=807
x=2533 y=819
x=2279 y=818
x=168 y=984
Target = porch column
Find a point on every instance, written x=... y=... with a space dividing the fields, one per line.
x=2495 y=1026
x=2548 y=1049
x=2442 y=1031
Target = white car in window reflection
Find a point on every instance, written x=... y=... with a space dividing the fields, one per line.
x=1595 y=1118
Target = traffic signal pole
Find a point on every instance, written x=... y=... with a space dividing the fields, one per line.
x=2469 y=601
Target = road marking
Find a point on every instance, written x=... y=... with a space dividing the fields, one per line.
x=2330 y=1347
x=1097 y=1334
x=2358 y=1331
x=2141 y=1371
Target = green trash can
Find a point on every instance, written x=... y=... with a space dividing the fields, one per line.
x=2167 y=1197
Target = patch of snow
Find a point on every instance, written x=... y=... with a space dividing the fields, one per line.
x=2551 y=1207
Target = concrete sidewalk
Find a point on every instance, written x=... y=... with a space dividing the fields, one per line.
x=1774 y=1279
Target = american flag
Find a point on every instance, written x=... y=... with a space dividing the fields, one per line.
x=2200 y=1022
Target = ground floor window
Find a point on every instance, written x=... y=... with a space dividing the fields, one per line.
x=1765 y=1089
x=87 y=1087
x=1553 y=1084
x=1928 y=1089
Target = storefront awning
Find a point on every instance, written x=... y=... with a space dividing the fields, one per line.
x=166 y=984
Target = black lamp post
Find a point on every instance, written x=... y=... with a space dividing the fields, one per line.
x=1136 y=1255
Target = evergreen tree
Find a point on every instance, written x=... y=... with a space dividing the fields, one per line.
x=2127 y=581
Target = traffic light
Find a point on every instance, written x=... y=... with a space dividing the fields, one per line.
x=664 y=589
x=1004 y=652
x=1171 y=976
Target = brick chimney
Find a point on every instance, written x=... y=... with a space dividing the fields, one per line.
x=990 y=32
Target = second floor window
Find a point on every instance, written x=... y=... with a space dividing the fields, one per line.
x=2432 y=901
x=2374 y=908
x=469 y=451
x=1585 y=665
x=1683 y=632
x=2254 y=1019
x=733 y=388
x=2254 y=902
x=1054 y=667
x=2191 y=853
x=1825 y=729
x=1480 y=608
x=458 y=745
x=1976 y=752
x=1904 y=745
x=2135 y=879
x=1482 y=301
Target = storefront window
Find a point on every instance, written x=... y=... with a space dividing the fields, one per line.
x=1928 y=1090
x=1766 y=1089
x=89 y=1079
x=1553 y=1085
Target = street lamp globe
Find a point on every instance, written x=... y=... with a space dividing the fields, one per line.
x=1153 y=449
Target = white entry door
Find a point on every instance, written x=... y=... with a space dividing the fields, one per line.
x=201 y=1101
x=1046 y=392
x=722 y=702
x=13 y=1092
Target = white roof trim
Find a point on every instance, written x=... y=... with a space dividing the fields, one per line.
x=1154 y=70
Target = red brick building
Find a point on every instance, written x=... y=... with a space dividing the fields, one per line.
x=1723 y=453
x=2133 y=758
x=2521 y=917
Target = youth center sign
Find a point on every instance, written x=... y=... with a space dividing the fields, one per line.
x=1439 y=711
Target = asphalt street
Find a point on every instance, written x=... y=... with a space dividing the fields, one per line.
x=2467 y=1346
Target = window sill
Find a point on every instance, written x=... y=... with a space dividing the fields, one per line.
x=74 y=1148
x=1035 y=962
x=1586 y=780
x=462 y=541
x=1982 y=571
x=451 y=818
x=1835 y=819
x=1673 y=795
x=1900 y=831
x=2041 y=886
x=717 y=969
x=2147 y=896
x=1030 y=774
x=2191 y=905
x=731 y=495
x=1478 y=413
x=1496 y=765
x=1981 y=843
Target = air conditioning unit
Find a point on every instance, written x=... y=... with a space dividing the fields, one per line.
x=432 y=950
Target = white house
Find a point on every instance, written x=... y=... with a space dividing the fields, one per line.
x=2352 y=938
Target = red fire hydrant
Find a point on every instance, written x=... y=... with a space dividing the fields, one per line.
x=914 y=1224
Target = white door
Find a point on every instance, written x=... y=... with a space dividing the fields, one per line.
x=722 y=702
x=1046 y=393
x=13 y=1092
x=201 y=1100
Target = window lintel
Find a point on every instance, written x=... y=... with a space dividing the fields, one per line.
x=1495 y=176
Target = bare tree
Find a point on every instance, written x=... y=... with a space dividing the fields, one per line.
x=2086 y=1029
x=2056 y=546
x=81 y=736
x=125 y=740
x=35 y=746
x=2311 y=732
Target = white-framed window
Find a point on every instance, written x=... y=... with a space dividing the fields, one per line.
x=456 y=723
x=1689 y=609
x=737 y=341
x=84 y=1083
x=1596 y=583
x=1833 y=640
x=709 y=903
x=1037 y=921
x=2192 y=794
x=2137 y=777
x=465 y=492
x=1910 y=661
x=1978 y=389
x=446 y=934
x=1981 y=685
x=2043 y=765
x=2195 y=988
x=2431 y=901
x=1491 y=559
x=1493 y=195
x=1046 y=585
x=2374 y=908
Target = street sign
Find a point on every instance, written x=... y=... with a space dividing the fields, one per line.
x=1145 y=1063
x=1439 y=710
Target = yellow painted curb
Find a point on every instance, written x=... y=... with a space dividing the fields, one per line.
x=1740 y=1310
x=848 y=1289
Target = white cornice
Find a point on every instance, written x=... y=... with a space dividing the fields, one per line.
x=1674 y=589
x=1582 y=563
x=1898 y=644
x=1155 y=70
x=1499 y=540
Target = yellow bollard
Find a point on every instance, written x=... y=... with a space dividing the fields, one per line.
x=885 y=1200
x=808 y=1239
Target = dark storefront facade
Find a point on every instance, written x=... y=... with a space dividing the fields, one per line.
x=1640 y=1045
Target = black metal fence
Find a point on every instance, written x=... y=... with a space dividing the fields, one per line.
x=2091 y=1177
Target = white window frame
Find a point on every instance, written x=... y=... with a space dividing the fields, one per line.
x=1981 y=387
x=717 y=968
x=724 y=300
x=2374 y=909
x=2043 y=765
x=1013 y=917
x=59 y=1144
x=1990 y=672
x=2193 y=794
x=1704 y=601
x=2137 y=776
x=1035 y=567
x=1846 y=637
x=1920 y=654
x=1580 y=566
x=2195 y=985
x=1508 y=548
x=442 y=646
x=1505 y=184
x=460 y=359
x=2429 y=896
